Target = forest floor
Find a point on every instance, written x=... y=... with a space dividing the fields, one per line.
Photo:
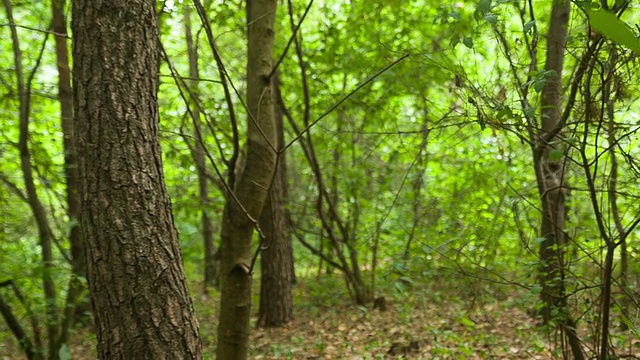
x=454 y=320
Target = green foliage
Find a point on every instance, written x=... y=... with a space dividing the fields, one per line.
x=403 y=158
x=64 y=353
x=612 y=27
x=555 y=155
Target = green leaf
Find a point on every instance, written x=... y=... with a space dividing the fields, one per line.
x=454 y=41
x=491 y=18
x=406 y=280
x=504 y=112
x=529 y=112
x=555 y=155
x=528 y=26
x=484 y=6
x=64 y=353
x=477 y=15
x=468 y=323
x=538 y=85
x=536 y=289
x=628 y=322
x=539 y=240
x=468 y=42
x=613 y=28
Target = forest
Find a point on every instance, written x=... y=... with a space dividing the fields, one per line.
x=319 y=179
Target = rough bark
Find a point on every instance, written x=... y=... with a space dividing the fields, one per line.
x=242 y=211
x=198 y=152
x=75 y=303
x=136 y=277
x=276 y=306
x=550 y=173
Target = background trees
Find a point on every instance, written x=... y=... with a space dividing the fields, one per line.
x=426 y=144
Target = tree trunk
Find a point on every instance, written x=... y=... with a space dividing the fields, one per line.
x=76 y=303
x=244 y=206
x=550 y=173
x=135 y=271
x=210 y=266
x=276 y=307
x=33 y=352
x=361 y=290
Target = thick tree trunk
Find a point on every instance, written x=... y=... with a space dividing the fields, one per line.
x=242 y=211
x=76 y=303
x=276 y=306
x=136 y=276
x=210 y=265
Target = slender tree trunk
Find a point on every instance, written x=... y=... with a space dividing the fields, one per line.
x=416 y=187
x=210 y=266
x=75 y=303
x=362 y=290
x=242 y=212
x=276 y=306
x=44 y=231
x=613 y=198
x=135 y=271
x=550 y=173
x=31 y=350
x=612 y=190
